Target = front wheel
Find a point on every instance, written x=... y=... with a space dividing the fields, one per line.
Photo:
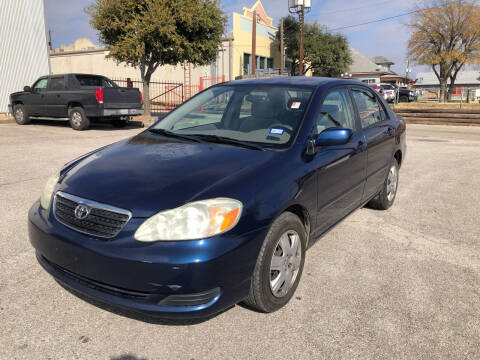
x=403 y=98
x=21 y=116
x=78 y=119
x=279 y=265
x=385 y=199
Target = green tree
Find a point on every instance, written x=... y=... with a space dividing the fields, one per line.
x=147 y=34
x=325 y=53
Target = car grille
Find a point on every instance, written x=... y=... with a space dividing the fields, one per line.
x=102 y=220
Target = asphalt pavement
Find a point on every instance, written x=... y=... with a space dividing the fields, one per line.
x=400 y=284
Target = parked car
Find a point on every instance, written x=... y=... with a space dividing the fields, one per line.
x=389 y=92
x=377 y=88
x=218 y=202
x=79 y=98
x=405 y=94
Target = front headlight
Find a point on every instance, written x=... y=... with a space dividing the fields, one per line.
x=47 y=192
x=196 y=220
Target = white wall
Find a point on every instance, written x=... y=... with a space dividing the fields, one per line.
x=23 y=46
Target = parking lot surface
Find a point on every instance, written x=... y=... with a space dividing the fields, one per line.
x=404 y=283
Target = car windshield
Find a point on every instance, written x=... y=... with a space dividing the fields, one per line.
x=265 y=116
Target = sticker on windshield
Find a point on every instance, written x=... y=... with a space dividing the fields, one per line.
x=296 y=105
x=276 y=131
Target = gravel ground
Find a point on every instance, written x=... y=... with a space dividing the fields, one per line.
x=398 y=284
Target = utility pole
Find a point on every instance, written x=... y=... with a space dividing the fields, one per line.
x=254 y=42
x=300 y=7
x=50 y=39
x=282 y=49
x=302 y=22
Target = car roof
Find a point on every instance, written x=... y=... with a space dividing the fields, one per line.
x=296 y=81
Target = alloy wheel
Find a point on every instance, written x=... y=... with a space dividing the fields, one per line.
x=392 y=183
x=285 y=263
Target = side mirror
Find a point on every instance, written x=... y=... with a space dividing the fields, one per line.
x=333 y=136
x=27 y=89
x=329 y=137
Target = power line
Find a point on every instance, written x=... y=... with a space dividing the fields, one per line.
x=378 y=20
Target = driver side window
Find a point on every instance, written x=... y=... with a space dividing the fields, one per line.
x=40 y=85
x=336 y=111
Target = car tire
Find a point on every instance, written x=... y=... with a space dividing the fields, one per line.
x=385 y=199
x=119 y=123
x=78 y=119
x=21 y=115
x=403 y=98
x=274 y=281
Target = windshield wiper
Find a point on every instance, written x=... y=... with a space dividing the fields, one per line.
x=225 y=140
x=172 y=134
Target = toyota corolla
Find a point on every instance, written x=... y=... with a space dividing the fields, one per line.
x=218 y=202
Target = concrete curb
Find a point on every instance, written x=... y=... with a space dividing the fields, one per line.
x=6 y=120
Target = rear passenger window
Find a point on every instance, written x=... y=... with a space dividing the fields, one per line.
x=336 y=111
x=369 y=108
x=57 y=84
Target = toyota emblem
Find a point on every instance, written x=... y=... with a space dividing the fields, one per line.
x=82 y=211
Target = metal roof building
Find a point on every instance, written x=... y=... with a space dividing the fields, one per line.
x=23 y=45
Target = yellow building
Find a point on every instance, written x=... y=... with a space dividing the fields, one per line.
x=267 y=57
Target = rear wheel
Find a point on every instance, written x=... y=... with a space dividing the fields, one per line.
x=279 y=265
x=78 y=119
x=386 y=197
x=403 y=98
x=21 y=116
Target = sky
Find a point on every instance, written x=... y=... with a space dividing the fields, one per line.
x=68 y=21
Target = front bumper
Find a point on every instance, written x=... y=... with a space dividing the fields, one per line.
x=158 y=278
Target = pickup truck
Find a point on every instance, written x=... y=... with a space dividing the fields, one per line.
x=79 y=98
x=405 y=95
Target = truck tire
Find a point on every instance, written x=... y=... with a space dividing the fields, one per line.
x=21 y=115
x=78 y=119
x=403 y=98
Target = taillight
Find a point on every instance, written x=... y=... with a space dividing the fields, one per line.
x=99 y=95
x=141 y=97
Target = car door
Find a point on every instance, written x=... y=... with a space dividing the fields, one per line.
x=341 y=169
x=35 y=102
x=379 y=136
x=56 y=102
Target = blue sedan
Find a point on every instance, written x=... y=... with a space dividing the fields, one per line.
x=218 y=202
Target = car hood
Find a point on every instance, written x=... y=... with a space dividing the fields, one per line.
x=150 y=173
